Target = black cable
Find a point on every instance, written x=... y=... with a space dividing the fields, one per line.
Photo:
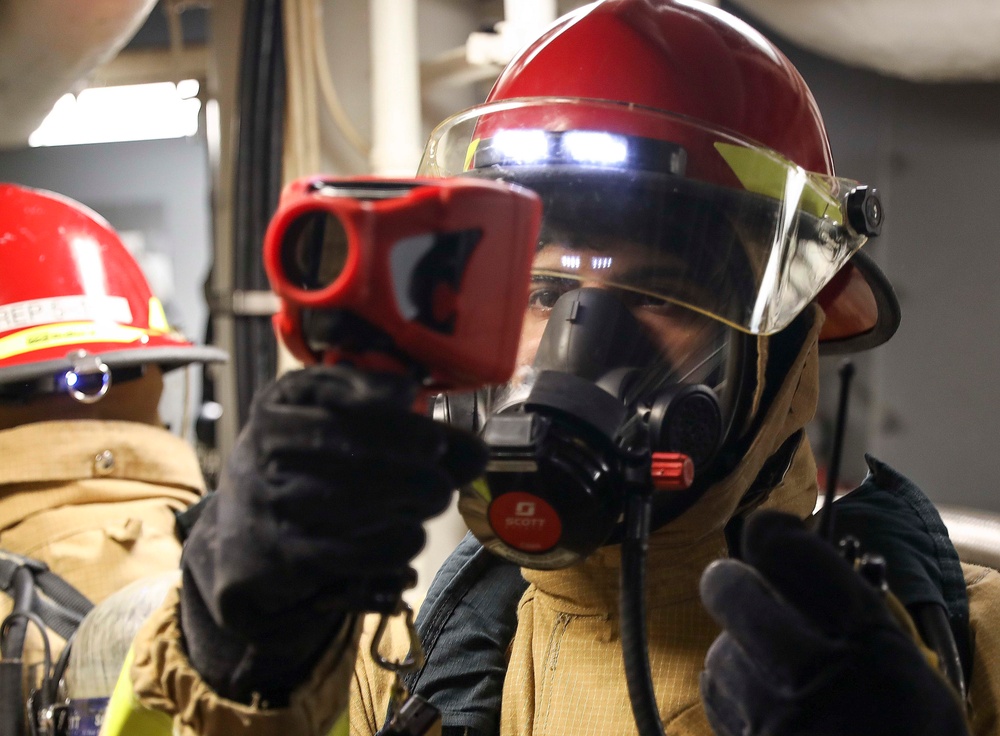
x=14 y=619
x=632 y=601
x=51 y=688
x=242 y=206
x=23 y=593
x=257 y=187
x=271 y=153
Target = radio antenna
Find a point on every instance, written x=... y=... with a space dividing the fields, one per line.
x=833 y=470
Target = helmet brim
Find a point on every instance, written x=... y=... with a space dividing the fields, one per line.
x=862 y=310
x=167 y=358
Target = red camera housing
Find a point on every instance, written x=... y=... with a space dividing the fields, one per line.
x=435 y=271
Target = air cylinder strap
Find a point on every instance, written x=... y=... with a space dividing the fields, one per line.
x=41 y=598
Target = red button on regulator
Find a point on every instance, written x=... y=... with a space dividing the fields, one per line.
x=672 y=471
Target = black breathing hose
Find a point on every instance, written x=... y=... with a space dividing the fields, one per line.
x=632 y=602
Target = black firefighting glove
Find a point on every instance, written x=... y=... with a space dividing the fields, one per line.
x=316 y=519
x=810 y=648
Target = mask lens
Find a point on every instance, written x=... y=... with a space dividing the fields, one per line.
x=314 y=251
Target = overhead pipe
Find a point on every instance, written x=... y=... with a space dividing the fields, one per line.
x=397 y=133
x=524 y=20
x=48 y=46
x=958 y=41
x=486 y=53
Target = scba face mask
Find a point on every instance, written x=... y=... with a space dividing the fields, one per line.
x=621 y=381
x=609 y=401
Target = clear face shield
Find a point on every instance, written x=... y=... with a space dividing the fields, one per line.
x=664 y=245
x=692 y=196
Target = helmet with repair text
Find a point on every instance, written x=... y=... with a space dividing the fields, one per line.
x=75 y=308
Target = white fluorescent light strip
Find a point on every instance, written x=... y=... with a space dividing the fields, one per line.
x=133 y=112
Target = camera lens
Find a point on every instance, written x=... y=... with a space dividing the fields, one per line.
x=314 y=250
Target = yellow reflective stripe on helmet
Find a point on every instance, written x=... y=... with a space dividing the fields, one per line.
x=157 y=317
x=762 y=172
x=126 y=716
x=68 y=333
x=470 y=153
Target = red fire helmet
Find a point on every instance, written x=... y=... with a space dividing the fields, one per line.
x=673 y=124
x=69 y=289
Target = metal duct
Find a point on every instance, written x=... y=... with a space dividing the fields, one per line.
x=47 y=46
x=916 y=40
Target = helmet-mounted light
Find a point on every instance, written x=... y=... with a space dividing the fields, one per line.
x=88 y=380
x=577 y=147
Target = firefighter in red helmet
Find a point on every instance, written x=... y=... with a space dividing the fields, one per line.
x=91 y=482
x=697 y=253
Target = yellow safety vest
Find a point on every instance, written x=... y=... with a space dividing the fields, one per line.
x=126 y=716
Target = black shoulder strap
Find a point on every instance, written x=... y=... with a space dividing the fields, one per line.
x=45 y=599
x=466 y=624
x=58 y=604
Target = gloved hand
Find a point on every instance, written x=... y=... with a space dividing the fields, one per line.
x=810 y=648
x=316 y=518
